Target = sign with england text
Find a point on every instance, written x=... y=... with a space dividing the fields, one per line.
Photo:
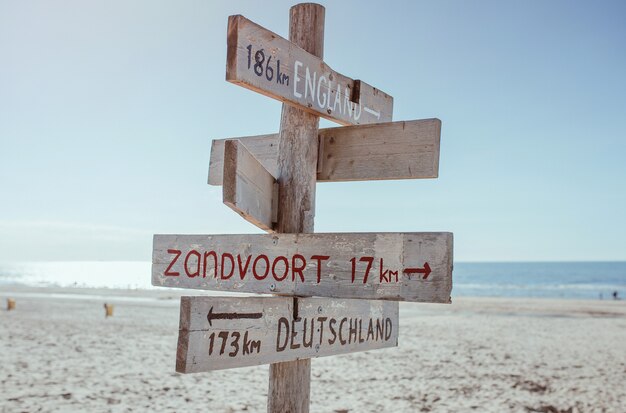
x=261 y=60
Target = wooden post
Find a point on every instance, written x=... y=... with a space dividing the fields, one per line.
x=10 y=304
x=290 y=382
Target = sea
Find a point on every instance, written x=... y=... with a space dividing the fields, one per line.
x=568 y=280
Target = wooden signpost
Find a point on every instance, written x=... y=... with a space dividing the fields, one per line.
x=388 y=266
x=270 y=181
x=222 y=332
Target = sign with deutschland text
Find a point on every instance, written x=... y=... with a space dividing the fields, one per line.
x=226 y=332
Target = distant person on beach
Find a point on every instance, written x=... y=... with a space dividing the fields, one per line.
x=615 y=297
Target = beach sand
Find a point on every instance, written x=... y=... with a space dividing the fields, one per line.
x=59 y=353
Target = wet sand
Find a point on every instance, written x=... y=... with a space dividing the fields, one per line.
x=59 y=353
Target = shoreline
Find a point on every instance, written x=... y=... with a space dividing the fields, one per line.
x=13 y=290
x=162 y=292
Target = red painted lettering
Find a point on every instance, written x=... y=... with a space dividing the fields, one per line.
x=232 y=266
x=244 y=270
x=267 y=267
x=383 y=273
x=206 y=256
x=369 y=261
x=169 y=271
x=353 y=261
x=298 y=269
x=319 y=259
x=276 y=261
x=197 y=271
x=392 y=273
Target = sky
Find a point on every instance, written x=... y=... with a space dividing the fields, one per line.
x=108 y=109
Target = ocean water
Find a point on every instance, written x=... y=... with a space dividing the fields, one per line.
x=95 y=274
x=588 y=280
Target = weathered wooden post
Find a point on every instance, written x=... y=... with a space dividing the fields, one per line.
x=290 y=382
x=10 y=304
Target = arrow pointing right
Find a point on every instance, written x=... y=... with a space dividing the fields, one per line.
x=426 y=271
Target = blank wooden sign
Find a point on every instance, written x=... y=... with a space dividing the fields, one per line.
x=392 y=150
x=249 y=189
x=388 y=266
x=263 y=61
x=226 y=332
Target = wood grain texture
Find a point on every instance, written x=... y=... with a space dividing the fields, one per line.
x=249 y=189
x=230 y=262
x=303 y=79
x=271 y=334
x=289 y=388
x=392 y=150
x=263 y=147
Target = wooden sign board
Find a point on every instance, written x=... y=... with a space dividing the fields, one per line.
x=388 y=266
x=249 y=189
x=393 y=150
x=226 y=332
x=263 y=61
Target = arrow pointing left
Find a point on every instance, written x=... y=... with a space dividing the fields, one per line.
x=230 y=316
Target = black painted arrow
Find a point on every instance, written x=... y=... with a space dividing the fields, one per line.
x=426 y=271
x=230 y=316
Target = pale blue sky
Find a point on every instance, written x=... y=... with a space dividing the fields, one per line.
x=107 y=111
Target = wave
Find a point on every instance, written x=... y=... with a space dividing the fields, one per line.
x=594 y=287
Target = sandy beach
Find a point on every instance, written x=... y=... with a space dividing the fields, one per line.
x=59 y=353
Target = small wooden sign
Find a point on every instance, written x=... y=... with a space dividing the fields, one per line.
x=389 y=266
x=249 y=189
x=392 y=150
x=227 y=332
x=261 y=60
